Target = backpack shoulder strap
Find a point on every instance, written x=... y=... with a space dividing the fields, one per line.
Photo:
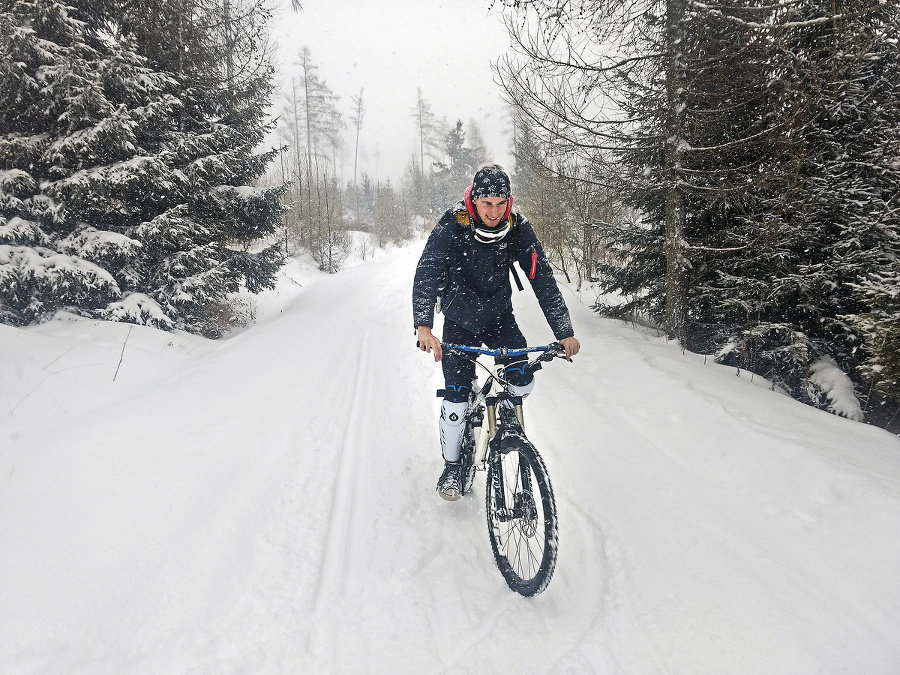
x=512 y=267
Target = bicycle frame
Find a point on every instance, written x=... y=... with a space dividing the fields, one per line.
x=494 y=390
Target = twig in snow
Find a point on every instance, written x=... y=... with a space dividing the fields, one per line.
x=121 y=356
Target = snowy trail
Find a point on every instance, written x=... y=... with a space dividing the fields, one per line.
x=266 y=505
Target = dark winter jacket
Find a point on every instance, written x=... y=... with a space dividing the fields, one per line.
x=476 y=277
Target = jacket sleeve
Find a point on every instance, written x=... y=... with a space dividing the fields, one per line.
x=534 y=263
x=429 y=272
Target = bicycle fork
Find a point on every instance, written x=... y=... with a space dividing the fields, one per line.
x=516 y=486
x=483 y=435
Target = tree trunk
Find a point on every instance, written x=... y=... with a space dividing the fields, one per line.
x=676 y=296
x=229 y=46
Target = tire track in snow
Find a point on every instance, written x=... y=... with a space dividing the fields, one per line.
x=333 y=569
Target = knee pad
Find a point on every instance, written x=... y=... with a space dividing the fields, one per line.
x=453 y=415
x=458 y=393
x=518 y=375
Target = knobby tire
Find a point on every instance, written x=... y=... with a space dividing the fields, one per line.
x=521 y=515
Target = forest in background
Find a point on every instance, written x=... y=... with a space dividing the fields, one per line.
x=739 y=164
x=725 y=171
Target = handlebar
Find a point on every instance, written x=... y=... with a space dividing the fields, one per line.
x=549 y=352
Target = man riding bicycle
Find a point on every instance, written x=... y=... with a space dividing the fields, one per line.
x=467 y=259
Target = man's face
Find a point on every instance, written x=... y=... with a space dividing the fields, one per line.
x=491 y=209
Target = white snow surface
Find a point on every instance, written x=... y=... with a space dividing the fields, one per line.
x=266 y=504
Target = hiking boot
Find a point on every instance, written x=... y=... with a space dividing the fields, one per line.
x=449 y=486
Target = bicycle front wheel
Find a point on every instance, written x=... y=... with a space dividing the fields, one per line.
x=521 y=515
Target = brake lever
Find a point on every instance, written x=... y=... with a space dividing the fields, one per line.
x=550 y=353
x=558 y=352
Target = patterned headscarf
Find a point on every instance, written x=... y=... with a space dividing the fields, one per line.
x=490 y=181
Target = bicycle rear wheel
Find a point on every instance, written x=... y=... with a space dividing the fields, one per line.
x=521 y=515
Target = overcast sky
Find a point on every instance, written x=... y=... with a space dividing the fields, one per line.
x=391 y=47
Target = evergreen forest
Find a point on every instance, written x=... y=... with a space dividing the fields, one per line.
x=731 y=171
x=128 y=163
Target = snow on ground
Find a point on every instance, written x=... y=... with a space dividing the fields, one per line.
x=266 y=504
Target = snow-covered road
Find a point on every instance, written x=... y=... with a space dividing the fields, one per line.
x=266 y=504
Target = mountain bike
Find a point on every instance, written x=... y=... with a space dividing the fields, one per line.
x=521 y=509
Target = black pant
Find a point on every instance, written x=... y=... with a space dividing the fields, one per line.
x=459 y=371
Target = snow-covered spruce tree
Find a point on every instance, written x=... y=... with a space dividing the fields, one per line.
x=880 y=328
x=205 y=243
x=857 y=194
x=738 y=159
x=65 y=142
x=830 y=214
x=111 y=205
